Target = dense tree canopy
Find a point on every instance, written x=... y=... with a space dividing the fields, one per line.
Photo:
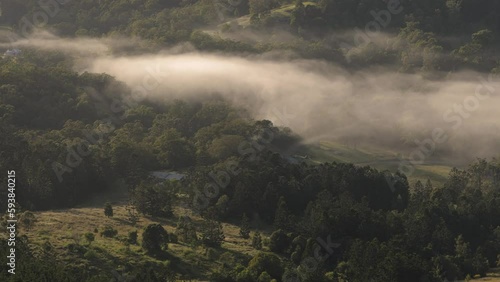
x=329 y=221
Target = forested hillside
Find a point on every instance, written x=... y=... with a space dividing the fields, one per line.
x=428 y=35
x=251 y=204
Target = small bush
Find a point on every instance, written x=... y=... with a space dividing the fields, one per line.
x=173 y=238
x=76 y=248
x=264 y=277
x=109 y=232
x=244 y=276
x=132 y=237
x=155 y=239
x=90 y=237
x=90 y=255
x=211 y=254
x=228 y=258
x=257 y=241
x=122 y=239
x=279 y=241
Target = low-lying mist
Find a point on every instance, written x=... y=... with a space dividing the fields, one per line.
x=320 y=101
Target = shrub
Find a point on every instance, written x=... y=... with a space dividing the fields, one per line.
x=245 y=227
x=279 y=241
x=75 y=248
x=108 y=209
x=173 y=238
x=89 y=237
x=211 y=254
x=109 y=232
x=28 y=220
x=154 y=238
x=257 y=241
x=212 y=235
x=90 y=254
x=264 y=277
x=132 y=237
x=244 y=276
x=267 y=262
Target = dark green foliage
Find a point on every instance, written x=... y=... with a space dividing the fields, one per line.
x=279 y=242
x=186 y=231
x=132 y=214
x=480 y=264
x=90 y=237
x=108 y=209
x=264 y=277
x=109 y=232
x=172 y=237
x=267 y=262
x=282 y=216
x=212 y=234
x=154 y=239
x=35 y=266
x=27 y=220
x=257 y=241
x=132 y=237
x=297 y=254
x=245 y=227
x=153 y=199
x=48 y=111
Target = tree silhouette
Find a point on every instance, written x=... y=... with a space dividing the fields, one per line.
x=28 y=219
x=108 y=209
x=154 y=239
x=257 y=241
x=245 y=227
x=90 y=237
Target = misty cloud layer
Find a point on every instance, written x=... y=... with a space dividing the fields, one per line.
x=318 y=100
x=325 y=102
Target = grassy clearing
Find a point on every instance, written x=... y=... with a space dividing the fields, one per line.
x=280 y=12
x=64 y=229
x=285 y=10
x=492 y=276
x=382 y=159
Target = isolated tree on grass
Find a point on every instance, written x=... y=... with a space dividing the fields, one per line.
x=108 y=209
x=132 y=237
x=185 y=230
x=212 y=234
x=245 y=227
x=257 y=241
x=90 y=237
x=28 y=220
x=109 y=232
x=154 y=239
x=133 y=215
